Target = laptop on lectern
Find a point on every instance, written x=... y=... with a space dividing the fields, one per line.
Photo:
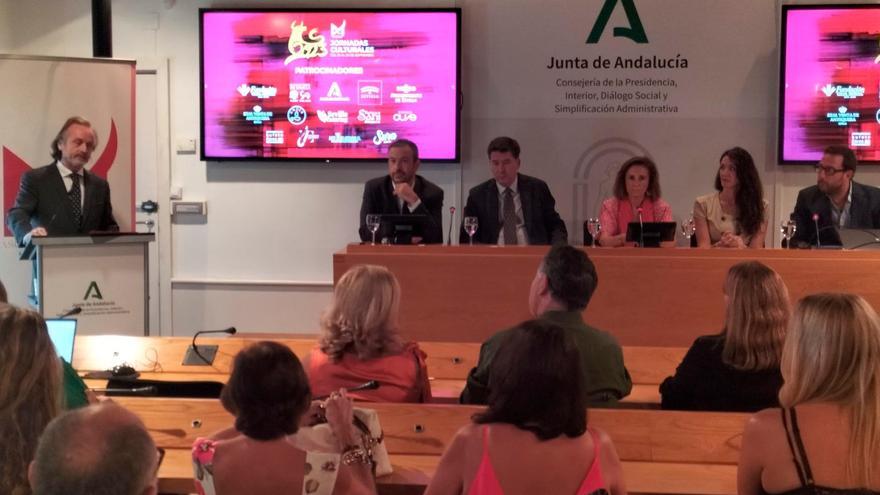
x=62 y=332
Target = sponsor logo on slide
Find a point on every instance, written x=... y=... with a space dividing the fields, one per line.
x=306 y=136
x=337 y=31
x=334 y=94
x=274 y=137
x=405 y=116
x=635 y=31
x=297 y=115
x=257 y=91
x=257 y=115
x=406 y=93
x=304 y=46
x=842 y=117
x=845 y=92
x=384 y=137
x=369 y=92
x=369 y=116
x=860 y=139
x=338 y=138
x=300 y=92
x=333 y=117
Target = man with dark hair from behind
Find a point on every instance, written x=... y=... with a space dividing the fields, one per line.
x=559 y=293
x=836 y=201
x=97 y=450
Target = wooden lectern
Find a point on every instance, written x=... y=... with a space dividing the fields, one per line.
x=107 y=275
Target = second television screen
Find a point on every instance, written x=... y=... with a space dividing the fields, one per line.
x=335 y=85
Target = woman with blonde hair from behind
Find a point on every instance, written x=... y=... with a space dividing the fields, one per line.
x=30 y=392
x=738 y=369
x=361 y=342
x=826 y=437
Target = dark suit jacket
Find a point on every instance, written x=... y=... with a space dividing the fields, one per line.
x=379 y=199
x=864 y=214
x=42 y=201
x=542 y=222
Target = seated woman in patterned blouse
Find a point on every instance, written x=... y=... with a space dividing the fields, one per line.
x=268 y=393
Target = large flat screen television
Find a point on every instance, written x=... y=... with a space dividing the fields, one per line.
x=335 y=85
x=829 y=85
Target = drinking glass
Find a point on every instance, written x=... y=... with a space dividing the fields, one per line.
x=787 y=229
x=373 y=224
x=688 y=228
x=470 y=226
x=593 y=227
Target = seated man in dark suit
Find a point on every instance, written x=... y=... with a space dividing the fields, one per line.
x=404 y=192
x=63 y=197
x=513 y=208
x=836 y=201
x=560 y=292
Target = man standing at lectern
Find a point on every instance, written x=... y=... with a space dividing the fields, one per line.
x=63 y=197
x=512 y=208
x=402 y=192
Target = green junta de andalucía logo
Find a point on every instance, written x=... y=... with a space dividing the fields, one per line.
x=93 y=292
x=635 y=31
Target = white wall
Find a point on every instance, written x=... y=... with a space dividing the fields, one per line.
x=262 y=260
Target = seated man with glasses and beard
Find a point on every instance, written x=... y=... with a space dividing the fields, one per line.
x=836 y=201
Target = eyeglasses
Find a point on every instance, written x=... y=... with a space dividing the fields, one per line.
x=829 y=171
x=161 y=452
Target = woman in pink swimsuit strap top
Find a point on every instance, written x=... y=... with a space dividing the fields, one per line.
x=533 y=437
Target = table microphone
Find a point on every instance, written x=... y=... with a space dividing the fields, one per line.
x=70 y=312
x=641 y=228
x=203 y=355
x=451 y=221
x=816 y=225
x=147 y=391
x=370 y=385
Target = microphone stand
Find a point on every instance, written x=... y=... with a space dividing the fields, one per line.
x=205 y=354
x=451 y=221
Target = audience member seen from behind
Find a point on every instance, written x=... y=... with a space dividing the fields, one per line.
x=361 y=342
x=75 y=392
x=97 y=450
x=30 y=392
x=559 y=294
x=826 y=438
x=636 y=188
x=533 y=438
x=736 y=215
x=268 y=393
x=738 y=369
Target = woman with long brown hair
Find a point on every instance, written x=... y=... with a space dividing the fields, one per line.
x=30 y=392
x=738 y=369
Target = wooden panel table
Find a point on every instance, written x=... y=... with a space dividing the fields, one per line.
x=646 y=297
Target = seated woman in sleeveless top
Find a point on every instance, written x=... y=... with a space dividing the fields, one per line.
x=268 y=394
x=533 y=438
x=738 y=369
x=361 y=343
x=826 y=439
x=736 y=215
x=636 y=189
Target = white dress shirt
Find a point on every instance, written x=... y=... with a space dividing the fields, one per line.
x=68 y=181
x=522 y=237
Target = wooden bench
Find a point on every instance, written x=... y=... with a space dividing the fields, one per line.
x=160 y=358
x=696 y=452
